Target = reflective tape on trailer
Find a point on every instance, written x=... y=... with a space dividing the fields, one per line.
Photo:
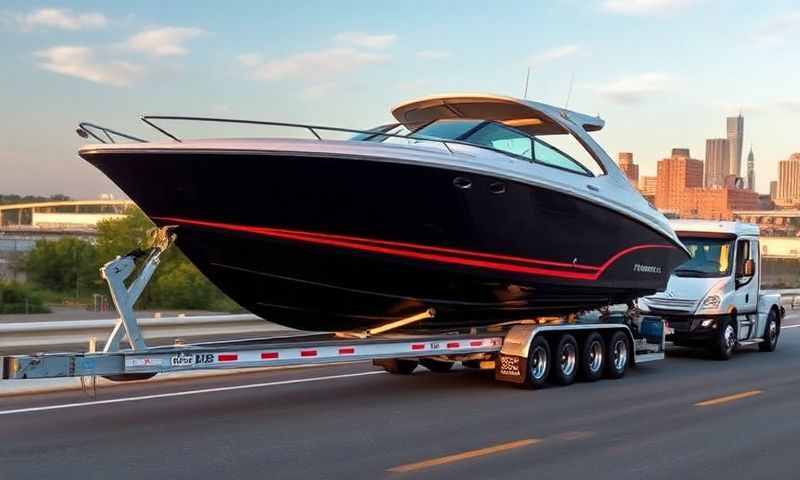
x=196 y=358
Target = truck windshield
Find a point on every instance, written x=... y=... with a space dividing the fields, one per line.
x=711 y=257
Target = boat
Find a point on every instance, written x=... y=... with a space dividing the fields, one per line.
x=480 y=208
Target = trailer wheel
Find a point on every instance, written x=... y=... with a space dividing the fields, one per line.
x=565 y=360
x=771 y=333
x=538 y=363
x=617 y=355
x=438 y=366
x=725 y=344
x=398 y=366
x=592 y=357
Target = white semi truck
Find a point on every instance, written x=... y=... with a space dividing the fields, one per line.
x=715 y=299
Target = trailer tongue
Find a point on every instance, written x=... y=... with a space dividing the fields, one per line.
x=531 y=352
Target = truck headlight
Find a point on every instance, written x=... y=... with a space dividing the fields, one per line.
x=711 y=302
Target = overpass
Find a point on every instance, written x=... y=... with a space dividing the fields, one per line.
x=68 y=214
x=772 y=222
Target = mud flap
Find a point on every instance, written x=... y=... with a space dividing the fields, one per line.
x=511 y=368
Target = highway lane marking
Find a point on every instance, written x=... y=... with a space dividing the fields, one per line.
x=481 y=452
x=186 y=393
x=729 y=398
x=790 y=326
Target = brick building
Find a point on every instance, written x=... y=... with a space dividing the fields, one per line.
x=675 y=175
x=788 y=193
x=680 y=191
x=630 y=169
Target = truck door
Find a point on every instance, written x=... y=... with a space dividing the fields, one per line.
x=746 y=284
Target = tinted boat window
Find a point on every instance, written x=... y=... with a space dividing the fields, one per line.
x=502 y=138
x=549 y=155
x=447 y=129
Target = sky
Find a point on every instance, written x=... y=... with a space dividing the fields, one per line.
x=662 y=73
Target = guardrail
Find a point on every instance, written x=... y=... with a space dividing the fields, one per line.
x=57 y=334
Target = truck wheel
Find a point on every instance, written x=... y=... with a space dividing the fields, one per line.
x=538 y=363
x=592 y=359
x=565 y=360
x=725 y=343
x=617 y=355
x=397 y=366
x=771 y=333
x=434 y=365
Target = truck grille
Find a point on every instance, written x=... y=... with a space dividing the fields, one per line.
x=668 y=303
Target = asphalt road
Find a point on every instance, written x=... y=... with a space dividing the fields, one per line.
x=686 y=417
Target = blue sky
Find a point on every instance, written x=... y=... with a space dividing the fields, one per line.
x=662 y=73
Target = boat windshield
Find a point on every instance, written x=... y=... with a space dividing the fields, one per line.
x=710 y=257
x=561 y=151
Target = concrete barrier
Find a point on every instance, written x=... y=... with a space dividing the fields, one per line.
x=35 y=335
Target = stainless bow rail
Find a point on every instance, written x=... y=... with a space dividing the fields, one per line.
x=86 y=130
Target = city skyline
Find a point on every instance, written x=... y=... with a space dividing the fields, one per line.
x=346 y=65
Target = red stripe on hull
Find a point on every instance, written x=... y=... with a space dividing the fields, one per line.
x=422 y=252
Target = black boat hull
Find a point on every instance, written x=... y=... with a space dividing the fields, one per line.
x=321 y=243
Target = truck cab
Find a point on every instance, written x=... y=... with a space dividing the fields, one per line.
x=715 y=298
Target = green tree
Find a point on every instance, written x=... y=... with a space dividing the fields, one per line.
x=16 y=298
x=65 y=265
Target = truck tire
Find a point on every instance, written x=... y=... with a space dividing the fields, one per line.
x=564 y=360
x=617 y=355
x=771 y=333
x=434 y=365
x=592 y=358
x=725 y=344
x=397 y=366
x=538 y=363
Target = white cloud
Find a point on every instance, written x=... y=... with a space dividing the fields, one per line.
x=164 y=41
x=81 y=62
x=553 y=54
x=64 y=19
x=636 y=88
x=310 y=65
x=433 y=54
x=364 y=40
x=776 y=31
x=644 y=7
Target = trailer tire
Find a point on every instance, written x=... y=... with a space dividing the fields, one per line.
x=725 y=344
x=617 y=355
x=565 y=360
x=397 y=366
x=538 y=363
x=771 y=333
x=438 y=366
x=592 y=359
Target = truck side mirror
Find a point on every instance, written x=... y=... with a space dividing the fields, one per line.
x=749 y=268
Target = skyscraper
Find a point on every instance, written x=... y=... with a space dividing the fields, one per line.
x=717 y=164
x=751 y=170
x=735 y=134
x=630 y=169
